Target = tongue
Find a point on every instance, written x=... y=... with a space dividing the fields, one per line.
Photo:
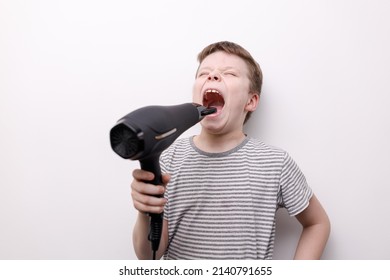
x=217 y=104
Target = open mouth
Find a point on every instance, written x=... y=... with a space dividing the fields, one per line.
x=213 y=98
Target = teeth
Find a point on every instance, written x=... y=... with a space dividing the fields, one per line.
x=212 y=90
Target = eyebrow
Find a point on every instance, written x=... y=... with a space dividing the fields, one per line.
x=223 y=69
x=210 y=68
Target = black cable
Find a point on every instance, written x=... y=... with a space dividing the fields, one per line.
x=154 y=255
x=156 y=221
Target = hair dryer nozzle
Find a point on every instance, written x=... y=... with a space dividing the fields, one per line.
x=208 y=111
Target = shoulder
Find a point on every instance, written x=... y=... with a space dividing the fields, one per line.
x=180 y=148
x=275 y=155
x=177 y=145
x=258 y=147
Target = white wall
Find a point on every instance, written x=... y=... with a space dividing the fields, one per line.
x=70 y=69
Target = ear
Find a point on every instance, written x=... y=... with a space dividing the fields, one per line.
x=252 y=102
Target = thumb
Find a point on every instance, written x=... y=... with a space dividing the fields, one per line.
x=165 y=178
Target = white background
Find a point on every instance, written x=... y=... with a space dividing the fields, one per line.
x=70 y=69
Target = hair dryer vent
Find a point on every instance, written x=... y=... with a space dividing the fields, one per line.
x=125 y=141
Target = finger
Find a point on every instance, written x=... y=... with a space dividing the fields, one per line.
x=147 y=203
x=149 y=200
x=165 y=178
x=148 y=209
x=147 y=189
x=142 y=175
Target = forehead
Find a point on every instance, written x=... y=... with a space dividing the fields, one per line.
x=222 y=59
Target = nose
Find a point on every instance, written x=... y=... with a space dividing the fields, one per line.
x=214 y=76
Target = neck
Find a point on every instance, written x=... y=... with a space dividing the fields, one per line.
x=218 y=143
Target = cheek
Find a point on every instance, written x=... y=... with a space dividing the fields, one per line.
x=240 y=95
x=196 y=92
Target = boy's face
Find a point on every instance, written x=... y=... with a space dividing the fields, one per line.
x=222 y=82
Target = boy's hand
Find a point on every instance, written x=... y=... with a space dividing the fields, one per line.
x=144 y=194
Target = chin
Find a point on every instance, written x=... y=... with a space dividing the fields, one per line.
x=213 y=126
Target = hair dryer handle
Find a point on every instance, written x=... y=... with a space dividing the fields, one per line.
x=152 y=164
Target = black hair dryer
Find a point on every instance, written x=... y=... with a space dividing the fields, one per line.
x=144 y=133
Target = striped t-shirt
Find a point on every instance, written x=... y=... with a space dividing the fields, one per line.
x=223 y=205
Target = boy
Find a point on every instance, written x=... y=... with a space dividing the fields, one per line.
x=222 y=188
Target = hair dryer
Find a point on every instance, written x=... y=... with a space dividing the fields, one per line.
x=144 y=133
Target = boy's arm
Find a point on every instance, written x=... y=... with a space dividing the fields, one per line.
x=145 y=201
x=315 y=233
x=142 y=245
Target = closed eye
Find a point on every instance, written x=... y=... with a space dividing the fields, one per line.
x=230 y=74
x=201 y=74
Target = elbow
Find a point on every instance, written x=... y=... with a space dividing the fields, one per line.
x=327 y=227
x=324 y=223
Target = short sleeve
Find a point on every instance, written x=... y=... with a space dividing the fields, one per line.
x=164 y=169
x=294 y=192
